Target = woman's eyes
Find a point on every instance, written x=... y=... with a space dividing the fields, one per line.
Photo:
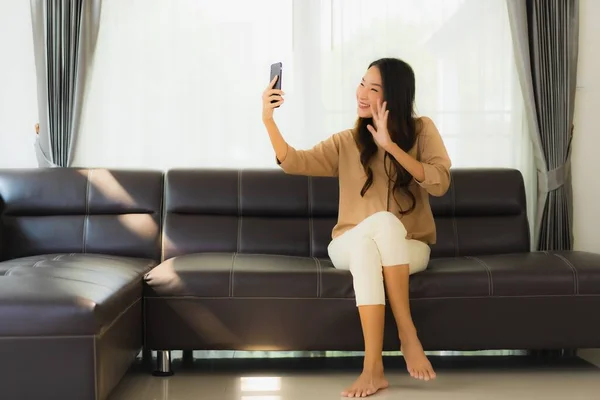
x=373 y=89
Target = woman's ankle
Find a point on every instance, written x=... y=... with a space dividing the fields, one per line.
x=408 y=334
x=373 y=365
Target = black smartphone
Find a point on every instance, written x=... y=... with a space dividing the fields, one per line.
x=276 y=71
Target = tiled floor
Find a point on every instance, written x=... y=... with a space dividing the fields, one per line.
x=465 y=378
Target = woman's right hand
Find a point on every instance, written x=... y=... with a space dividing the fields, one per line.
x=270 y=95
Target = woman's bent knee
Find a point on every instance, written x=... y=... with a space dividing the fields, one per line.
x=389 y=234
x=365 y=256
x=386 y=223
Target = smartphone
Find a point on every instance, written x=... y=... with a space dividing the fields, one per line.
x=276 y=70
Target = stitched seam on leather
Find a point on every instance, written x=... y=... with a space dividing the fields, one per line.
x=45 y=337
x=35 y=265
x=96 y=393
x=231 y=274
x=320 y=278
x=573 y=269
x=239 y=236
x=454 y=224
x=8 y=271
x=62 y=278
x=310 y=218
x=87 y=212
x=318 y=265
x=163 y=217
x=535 y=296
x=274 y=256
x=488 y=270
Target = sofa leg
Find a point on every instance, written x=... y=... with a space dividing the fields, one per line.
x=163 y=361
x=188 y=358
x=146 y=357
x=554 y=354
x=569 y=353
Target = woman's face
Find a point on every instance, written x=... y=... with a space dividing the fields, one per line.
x=369 y=92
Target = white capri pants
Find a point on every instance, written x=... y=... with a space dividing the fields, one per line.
x=379 y=240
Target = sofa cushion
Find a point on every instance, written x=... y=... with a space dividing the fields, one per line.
x=67 y=294
x=236 y=275
x=222 y=275
x=522 y=274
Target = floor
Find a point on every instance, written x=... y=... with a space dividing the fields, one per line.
x=320 y=376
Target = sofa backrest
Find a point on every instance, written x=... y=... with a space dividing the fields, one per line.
x=247 y=211
x=483 y=212
x=65 y=210
x=269 y=212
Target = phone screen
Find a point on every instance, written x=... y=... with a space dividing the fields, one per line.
x=276 y=70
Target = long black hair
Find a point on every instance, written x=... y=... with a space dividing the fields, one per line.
x=398 y=81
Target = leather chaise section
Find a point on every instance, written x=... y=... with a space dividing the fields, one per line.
x=67 y=294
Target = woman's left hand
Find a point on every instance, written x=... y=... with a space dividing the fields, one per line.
x=380 y=132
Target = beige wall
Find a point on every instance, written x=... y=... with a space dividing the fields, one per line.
x=586 y=140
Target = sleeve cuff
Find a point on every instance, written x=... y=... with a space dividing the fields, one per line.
x=289 y=159
x=432 y=176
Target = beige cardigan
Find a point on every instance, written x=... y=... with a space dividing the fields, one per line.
x=339 y=156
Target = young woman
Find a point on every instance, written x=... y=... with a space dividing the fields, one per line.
x=387 y=166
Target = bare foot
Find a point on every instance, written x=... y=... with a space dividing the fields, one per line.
x=367 y=384
x=417 y=363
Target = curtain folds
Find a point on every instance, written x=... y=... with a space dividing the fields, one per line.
x=64 y=35
x=545 y=35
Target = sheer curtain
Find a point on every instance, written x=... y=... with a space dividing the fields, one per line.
x=461 y=51
x=18 y=96
x=177 y=83
x=462 y=55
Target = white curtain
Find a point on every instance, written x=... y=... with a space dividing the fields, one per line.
x=177 y=83
x=18 y=101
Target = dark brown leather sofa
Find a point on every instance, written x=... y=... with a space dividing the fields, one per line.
x=74 y=247
x=246 y=268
